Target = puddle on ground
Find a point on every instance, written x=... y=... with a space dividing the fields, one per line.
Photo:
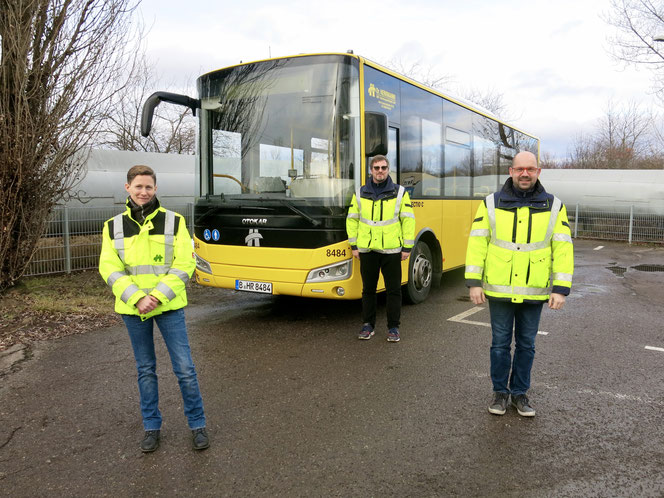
x=649 y=267
x=619 y=271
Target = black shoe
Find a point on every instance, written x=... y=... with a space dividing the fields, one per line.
x=522 y=405
x=200 y=439
x=499 y=404
x=150 y=441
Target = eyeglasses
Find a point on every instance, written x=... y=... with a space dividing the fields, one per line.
x=380 y=167
x=530 y=171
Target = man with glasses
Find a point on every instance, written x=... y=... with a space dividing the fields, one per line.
x=381 y=233
x=520 y=255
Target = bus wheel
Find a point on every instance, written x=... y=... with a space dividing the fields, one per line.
x=420 y=273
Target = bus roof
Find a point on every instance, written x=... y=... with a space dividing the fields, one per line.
x=456 y=99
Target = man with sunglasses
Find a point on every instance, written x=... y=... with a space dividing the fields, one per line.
x=381 y=233
x=520 y=255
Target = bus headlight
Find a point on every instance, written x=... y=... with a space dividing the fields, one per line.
x=202 y=265
x=337 y=271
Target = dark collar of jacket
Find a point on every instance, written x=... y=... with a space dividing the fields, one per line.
x=379 y=191
x=140 y=213
x=511 y=198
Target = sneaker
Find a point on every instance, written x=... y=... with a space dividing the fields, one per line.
x=200 y=439
x=393 y=335
x=522 y=405
x=150 y=441
x=499 y=404
x=366 y=332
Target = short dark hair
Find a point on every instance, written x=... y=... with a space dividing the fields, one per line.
x=138 y=170
x=377 y=158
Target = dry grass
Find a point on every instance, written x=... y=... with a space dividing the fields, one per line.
x=53 y=306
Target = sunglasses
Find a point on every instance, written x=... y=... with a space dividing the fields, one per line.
x=380 y=167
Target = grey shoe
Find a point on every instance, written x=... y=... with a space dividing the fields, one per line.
x=200 y=439
x=150 y=441
x=499 y=404
x=522 y=405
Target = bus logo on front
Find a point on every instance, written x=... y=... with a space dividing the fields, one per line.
x=253 y=239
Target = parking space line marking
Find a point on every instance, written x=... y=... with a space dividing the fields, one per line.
x=653 y=348
x=461 y=318
x=592 y=392
x=598 y=248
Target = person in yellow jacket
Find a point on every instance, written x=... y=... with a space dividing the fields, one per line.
x=520 y=255
x=381 y=232
x=147 y=259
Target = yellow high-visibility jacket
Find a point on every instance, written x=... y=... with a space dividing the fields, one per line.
x=520 y=248
x=383 y=223
x=154 y=258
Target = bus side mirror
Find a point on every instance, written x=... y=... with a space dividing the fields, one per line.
x=156 y=98
x=375 y=133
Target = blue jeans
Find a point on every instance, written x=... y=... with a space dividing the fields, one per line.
x=522 y=320
x=174 y=331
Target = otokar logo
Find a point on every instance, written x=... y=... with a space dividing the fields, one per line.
x=254 y=238
x=254 y=221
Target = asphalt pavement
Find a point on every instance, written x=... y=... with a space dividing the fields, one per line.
x=297 y=406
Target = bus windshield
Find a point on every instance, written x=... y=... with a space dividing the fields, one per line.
x=281 y=129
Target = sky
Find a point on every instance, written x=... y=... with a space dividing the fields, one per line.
x=549 y=60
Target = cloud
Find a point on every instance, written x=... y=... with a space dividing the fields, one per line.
x=546 y=58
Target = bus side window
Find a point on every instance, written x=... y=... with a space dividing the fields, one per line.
x=421 y=164
x=392 y=154
x=458 y=143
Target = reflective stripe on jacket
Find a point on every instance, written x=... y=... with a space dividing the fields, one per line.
x=520 y=253
x=155 y=258
x=385 y=225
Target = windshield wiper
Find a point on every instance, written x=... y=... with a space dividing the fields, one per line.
x=304 y=215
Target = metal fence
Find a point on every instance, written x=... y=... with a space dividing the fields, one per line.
x=616 y=223
x=73 y=237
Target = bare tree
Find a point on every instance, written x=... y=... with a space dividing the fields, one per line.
x=548 y=160
x=637 y=23
x=174 y=130
x=623 y=135
x=490 y=99
x=61 y=63
x=425 y=75
x=624 y=138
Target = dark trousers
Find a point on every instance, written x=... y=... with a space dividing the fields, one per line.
x=371 y=265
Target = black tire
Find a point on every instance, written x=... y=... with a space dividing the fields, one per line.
x=420 y=274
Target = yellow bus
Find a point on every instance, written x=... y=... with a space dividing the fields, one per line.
x=285 y=142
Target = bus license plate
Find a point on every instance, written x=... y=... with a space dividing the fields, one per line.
x=249 y=286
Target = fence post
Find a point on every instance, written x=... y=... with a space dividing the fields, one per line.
x=65 y=235
x=576 y=220
x=631 y=222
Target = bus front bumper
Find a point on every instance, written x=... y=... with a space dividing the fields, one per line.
x=281 y=282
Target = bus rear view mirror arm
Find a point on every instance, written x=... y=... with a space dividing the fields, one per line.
x=156 y=98
x=375 y=131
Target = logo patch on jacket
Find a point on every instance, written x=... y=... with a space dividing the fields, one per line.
x=158 y=258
